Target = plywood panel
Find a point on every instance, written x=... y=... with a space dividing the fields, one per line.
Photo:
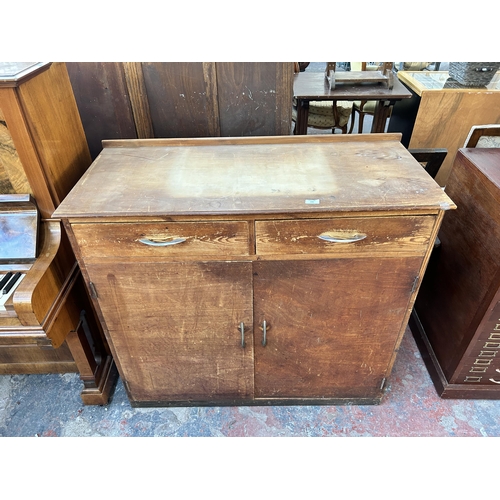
x=102 y=97
x=342 y=316
x=302 y=174
x=182 y=98
x=255 y=98
x=445 y=118
x=180 y=339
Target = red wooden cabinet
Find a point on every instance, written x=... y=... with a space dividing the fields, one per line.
x=457 y=313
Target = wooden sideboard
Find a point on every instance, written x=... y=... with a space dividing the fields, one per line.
x=442 y=112
x=457 y=313
x=51 y=327
x=269 y=270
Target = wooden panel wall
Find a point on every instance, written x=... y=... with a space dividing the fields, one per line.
x=103 y=101
x=182 y=99
x=253 y=98
x=177 y=99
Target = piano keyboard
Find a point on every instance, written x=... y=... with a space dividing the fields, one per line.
x=8 y=284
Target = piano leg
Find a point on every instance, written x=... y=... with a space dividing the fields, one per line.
x=91 y=354
x=98 y=379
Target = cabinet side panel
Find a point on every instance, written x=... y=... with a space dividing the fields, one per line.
x=175 y=328
x=56 y=128
x=445 y=118
x=462 y=275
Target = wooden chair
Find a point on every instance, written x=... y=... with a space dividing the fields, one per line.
x=327 y=114
x=430 y=159
x=483 y=136
x=365 y=107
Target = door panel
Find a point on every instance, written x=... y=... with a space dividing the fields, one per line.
x=332 y=325
x=179 y=337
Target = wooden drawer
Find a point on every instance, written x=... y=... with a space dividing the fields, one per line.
x=162 y=239
x=348 y=236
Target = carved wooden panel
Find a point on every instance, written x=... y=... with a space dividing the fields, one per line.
x=12 y=176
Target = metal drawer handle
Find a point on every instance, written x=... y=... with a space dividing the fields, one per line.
x=342 y=239
x=242 y=329
x=153 y=243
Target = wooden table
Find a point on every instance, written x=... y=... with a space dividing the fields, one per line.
x=314 y=87
x=256 y=270
x=441 y=113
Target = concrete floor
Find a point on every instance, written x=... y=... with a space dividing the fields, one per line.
x=50 y=405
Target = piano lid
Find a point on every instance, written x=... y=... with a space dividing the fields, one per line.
x=12 y=74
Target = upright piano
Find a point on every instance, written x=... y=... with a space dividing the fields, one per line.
x=47 y=322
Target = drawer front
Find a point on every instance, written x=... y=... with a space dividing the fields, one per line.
x=349 y=236
x=162 y=239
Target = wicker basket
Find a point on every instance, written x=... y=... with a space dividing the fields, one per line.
x=473 y=74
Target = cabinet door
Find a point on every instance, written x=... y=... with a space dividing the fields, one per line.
x=175 y=328
x=332 y=325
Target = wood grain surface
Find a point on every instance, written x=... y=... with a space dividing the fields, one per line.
x=188 y=326
x=267 y=175
x=444 y=120
x=464 y=274
x=332 y=325
x=188 y=315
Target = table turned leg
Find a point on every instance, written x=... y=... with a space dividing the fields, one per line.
x=382 y=112
x=302 y=117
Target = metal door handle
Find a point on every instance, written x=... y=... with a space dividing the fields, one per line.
x=264 y=333
x=175 y=241
x=242 y=329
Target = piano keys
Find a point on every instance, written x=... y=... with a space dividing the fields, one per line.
x=8 y=285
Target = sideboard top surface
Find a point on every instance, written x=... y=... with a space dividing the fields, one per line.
x=216 y=176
